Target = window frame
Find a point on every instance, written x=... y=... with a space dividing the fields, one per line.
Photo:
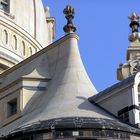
x=12 y=107
x=123 y=114
x=4 y=5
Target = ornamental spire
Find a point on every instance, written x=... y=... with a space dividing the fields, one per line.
x=133 y=55
x=69 y=15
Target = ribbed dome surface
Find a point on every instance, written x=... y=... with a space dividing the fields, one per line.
x=30 y=15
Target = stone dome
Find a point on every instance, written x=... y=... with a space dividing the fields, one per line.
x=30 y=16
x=24 y=28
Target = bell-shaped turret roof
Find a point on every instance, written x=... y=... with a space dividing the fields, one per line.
x=65 y=97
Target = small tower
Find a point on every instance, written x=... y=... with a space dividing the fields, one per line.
x=133 y=52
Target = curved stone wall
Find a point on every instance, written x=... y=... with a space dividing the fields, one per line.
x=15 y=43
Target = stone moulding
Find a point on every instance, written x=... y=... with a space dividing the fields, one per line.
x=64 y=127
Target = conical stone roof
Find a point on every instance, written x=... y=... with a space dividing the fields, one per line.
x=66 y=95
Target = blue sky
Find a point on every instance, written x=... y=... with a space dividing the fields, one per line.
x=103 y=27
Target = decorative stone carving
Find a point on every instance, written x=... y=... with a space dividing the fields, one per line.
x=69 y=12
x=134 y=36
x=134 y=25
x=134 y=17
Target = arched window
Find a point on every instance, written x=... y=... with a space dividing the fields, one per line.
x=15 y=42
x=5 y=37
x=23 y=47
x=35 y=50
x=30 y=51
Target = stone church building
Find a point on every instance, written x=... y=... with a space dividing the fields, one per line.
x=45 y=92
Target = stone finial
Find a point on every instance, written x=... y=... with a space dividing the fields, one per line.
x=69 y=15
x=134 y=25
x=134 y=17
x=47 y=11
